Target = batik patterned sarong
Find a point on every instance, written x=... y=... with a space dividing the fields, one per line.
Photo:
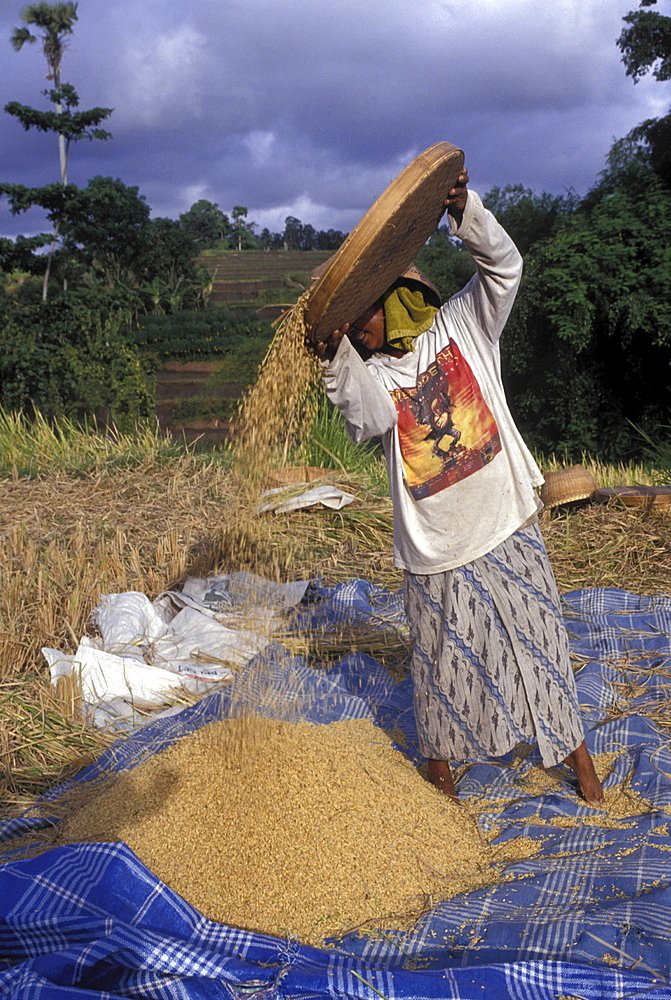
x=490 y=662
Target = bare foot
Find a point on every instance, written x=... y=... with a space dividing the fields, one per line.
x=439 y=774
x=581 y=762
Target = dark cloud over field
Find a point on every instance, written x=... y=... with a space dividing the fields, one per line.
x=309 y=108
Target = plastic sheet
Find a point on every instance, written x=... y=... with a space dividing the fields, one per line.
x=588 y=917
x=189 y=639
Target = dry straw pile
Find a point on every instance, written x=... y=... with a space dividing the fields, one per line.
x=605 y=545
x=66 y=540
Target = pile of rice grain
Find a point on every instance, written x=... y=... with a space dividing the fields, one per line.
x=290 y=829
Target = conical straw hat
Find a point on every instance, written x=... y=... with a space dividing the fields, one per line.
x=567 y=485
x=382 y=246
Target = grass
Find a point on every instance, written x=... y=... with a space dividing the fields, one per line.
x=658 y=455
x=84 y=514
x=619 y=474
x=329 y=447
x=29 y=447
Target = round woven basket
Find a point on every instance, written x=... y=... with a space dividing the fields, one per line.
x=295 y=475
x=567 y=486
x=385 y=241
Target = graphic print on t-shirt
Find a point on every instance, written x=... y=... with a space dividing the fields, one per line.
x=446 y=430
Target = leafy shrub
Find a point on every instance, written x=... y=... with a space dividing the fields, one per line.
x=67 y=357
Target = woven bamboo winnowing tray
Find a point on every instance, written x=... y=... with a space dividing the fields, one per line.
x=657 y=497
x=385 y=241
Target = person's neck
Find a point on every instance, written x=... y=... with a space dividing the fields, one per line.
x=395 y=352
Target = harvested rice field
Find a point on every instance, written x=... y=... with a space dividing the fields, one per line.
x=71 y=536
x=82 y=516
x=291 y=829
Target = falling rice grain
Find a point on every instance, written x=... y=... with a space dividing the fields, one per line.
x=278 y=409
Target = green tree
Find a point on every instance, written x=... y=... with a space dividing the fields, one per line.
x=105 y=227
x=645 y=45
x=19 y=254
x=165 y=267
x=292 y=237
x=270 y=241
x=70 y=125
x=55 y=23
x=169 y=251
x=309 y=241
x=330 y=239
x=53 y=199
x=205 y=223
x=588 y=346
x=526 y=216
x=107 y=231
x=242 y=232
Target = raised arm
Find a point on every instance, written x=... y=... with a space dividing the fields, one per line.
x=488 y=297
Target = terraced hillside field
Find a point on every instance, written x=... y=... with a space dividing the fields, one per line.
x=256 y=277
x=265 y=280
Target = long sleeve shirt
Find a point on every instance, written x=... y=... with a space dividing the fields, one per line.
x=461 y=478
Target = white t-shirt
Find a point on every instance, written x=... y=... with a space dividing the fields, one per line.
x=461 y=478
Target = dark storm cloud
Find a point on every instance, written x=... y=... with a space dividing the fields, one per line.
x=300 y=107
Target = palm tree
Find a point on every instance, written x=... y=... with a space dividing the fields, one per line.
x=55 y=21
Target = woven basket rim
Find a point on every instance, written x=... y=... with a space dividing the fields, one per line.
x=385 y=241
x=295 y=475
x=635 y=496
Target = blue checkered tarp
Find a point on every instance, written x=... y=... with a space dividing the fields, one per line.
x=588 y=917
